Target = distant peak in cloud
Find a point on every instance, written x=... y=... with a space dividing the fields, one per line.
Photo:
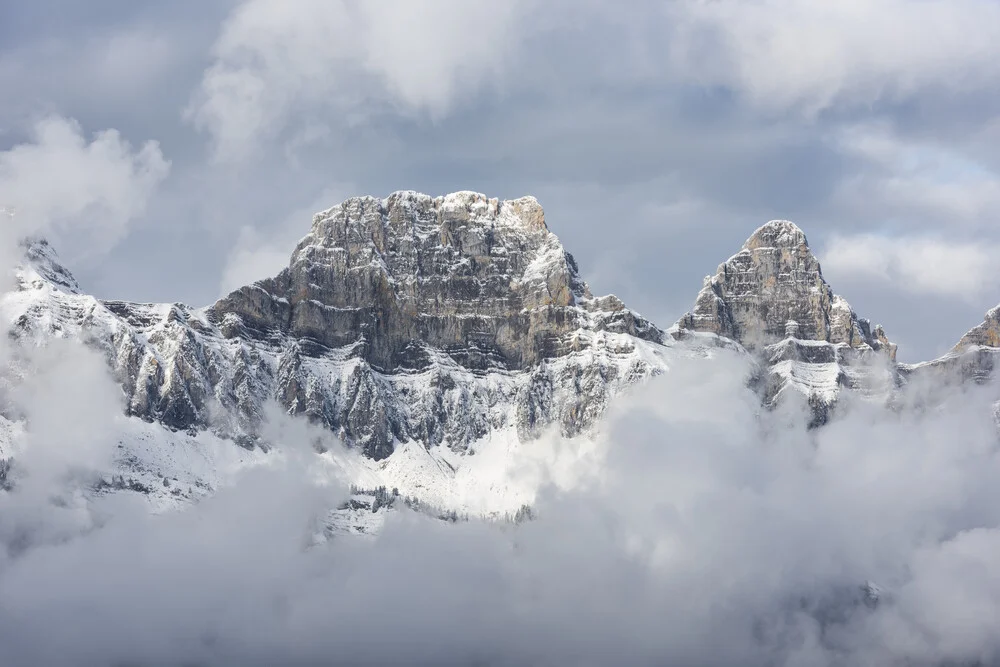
x=89 y=190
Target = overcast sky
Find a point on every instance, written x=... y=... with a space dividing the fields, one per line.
x=172 y=151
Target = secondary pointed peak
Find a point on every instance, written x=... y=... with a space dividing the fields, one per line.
x=773 y=285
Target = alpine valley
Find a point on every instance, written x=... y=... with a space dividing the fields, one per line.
x=437 y=347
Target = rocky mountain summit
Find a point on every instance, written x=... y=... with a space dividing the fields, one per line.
x=409 y=318
x=772 y=299
x=773 y=288
x=482 y=280
x=417 y=328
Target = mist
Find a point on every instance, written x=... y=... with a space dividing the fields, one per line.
x=708 y=532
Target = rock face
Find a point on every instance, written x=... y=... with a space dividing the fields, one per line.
x=441 y=321
x=483 y=281
x=410 y=318
x=986 y=334
x=774 y=287
x=771 y=298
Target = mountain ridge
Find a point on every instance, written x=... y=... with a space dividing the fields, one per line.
x=436 y=320
x=447 y=321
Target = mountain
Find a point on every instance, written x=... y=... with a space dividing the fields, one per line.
x=437 y=322
x=438 y=337
x=973 y=359
x=772 y=299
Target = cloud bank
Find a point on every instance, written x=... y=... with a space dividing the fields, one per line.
x=698 y=540
x=348 y=59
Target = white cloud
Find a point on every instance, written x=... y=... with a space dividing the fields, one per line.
x=274 y=59
x=916 y=264
x=811 y=56
x=89 y=191
x=698 y=540
x=915 y=182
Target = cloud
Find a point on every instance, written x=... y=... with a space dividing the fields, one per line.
x=274 y=61
x=84 y=191
x=697 y=540
x=810 y=57
x=917 y=264
x=915 y=182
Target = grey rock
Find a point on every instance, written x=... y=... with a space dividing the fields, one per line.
x=771 y=299
x=482 y=280
x=774 y=284
x=973 y=359
x=437 y=320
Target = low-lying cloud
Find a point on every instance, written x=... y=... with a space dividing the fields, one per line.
x=712 y=533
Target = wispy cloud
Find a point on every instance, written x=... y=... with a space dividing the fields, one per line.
x=929 y=265
x=273 y=60
x=811 y=57
x=88 y=189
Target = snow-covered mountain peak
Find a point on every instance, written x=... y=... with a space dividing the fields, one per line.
x=482 y=280
x=431 y=320
x=773 y=280
x=41 y=262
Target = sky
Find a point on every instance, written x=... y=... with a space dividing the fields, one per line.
x=173 y=151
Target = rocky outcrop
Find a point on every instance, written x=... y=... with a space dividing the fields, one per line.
x=973 y=359
x=482 y=280
x=773 y=283
x=409 y=318
x=772 y=299
x=986 y=334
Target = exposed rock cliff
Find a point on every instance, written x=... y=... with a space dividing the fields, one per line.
x=771 y=298
x=775 y=282
x=410 y=318
x=482 y=280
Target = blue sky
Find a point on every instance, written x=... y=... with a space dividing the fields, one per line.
x=656 y=135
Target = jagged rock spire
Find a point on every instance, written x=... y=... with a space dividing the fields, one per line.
x=775 y=278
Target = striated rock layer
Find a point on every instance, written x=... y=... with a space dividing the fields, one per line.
x=775 y=280
x=482 y=280
x=409 y=318
x=772 y=299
